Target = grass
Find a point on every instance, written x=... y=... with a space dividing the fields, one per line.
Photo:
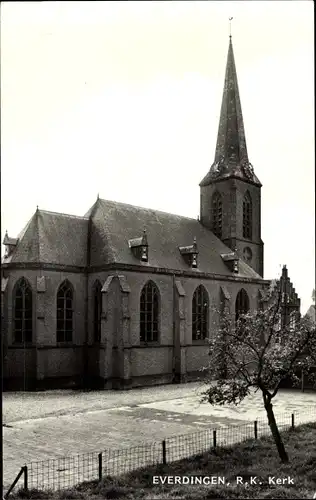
x=251 y=458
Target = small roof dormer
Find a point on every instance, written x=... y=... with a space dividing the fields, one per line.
x=232 y=261
x=139 y=247
x=190 y=254
x=10 y=244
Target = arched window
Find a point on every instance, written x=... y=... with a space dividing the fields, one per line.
x=217 y=214
x=242 y=303
x=23 y=311
x=149 y=313
x=200 y=307
x=97 y=310
x=247 y=217
x=65 y=312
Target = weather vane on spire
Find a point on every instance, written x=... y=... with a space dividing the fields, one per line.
x=230 y=26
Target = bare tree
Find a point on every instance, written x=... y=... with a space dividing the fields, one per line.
x=258 y=352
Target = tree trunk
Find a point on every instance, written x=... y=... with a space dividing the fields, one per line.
x=275 y=432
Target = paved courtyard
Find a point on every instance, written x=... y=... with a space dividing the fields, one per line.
x=53 y=424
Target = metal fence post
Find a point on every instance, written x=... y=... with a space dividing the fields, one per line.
x=164 y=452
x=292 y=420
x=214 y=438
x=100 y=466
x=256 y=429
x=25 y=477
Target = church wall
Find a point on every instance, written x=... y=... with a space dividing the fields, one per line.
x=53 y=281
x=232 y=192
x=19 y=367
x=43 y=360
x=141 y=365
x=60 y=362
x=165 y=286
x=151 y=364
x=197 y=350
x=104 y=362
x=151 y=361
x=254 y=191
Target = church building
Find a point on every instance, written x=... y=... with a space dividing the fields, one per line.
x=126 y=296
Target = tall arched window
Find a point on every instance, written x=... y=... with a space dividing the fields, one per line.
x=65 y=312
x=200 y=307
x=242 y=303
x=247 y=216
x=97 y=310
x=23 y=311
x=217 y=214
x=149 y=313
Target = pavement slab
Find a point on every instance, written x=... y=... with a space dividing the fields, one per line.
x=53 y=424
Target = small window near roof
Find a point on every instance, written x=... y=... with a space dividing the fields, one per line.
x=247 y=217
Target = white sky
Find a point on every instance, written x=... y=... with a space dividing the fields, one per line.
x=123 y=98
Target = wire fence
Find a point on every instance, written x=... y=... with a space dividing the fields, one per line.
x=67 y=472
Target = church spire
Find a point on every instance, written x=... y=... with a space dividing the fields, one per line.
x=231 y=156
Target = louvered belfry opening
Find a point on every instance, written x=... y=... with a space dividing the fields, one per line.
x=247 y=217
x=217 y=214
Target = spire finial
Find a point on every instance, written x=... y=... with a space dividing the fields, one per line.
x=230 y=27
x=98 y=196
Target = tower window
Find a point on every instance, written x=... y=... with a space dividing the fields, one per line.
x=22 y=300
x=65 y=312
x=247 y=217
x=217 y=214
x=200 y=306
x=149 y=313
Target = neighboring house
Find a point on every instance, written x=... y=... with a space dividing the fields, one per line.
x=124 y=296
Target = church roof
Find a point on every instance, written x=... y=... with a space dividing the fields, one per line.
x=114 y=224
x=56 y=238
x=52 y=238
x=231 y=156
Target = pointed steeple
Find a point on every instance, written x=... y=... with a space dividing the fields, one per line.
x=231 y=156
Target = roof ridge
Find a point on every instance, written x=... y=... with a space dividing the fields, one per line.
x=37 y=236
x=146 y=208
x=63 y=214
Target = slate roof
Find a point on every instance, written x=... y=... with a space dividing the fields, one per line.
x=52 y=238
x=114 y=224
x=55 y=238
